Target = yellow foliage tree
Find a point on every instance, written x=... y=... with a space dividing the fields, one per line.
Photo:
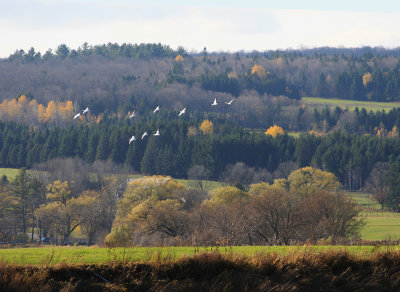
x=22 y=105
x=3 y=107
x=367 y=78
x=61 y=215
x=51 y=111
x=226 y=195
x=307 y=181
x=41 y=113
x=274 y=131
x=66 y=110
x=206 y=127
x=394 y=133
x=13 y=109
x=259 y=188
x=259 y=71
x=141 y=198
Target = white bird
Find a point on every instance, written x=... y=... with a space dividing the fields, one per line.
x=86 y=110
x=215 y=102
x=132 y=115
x=157 y=133
x=229 y=102
x=182 y=112
x=77 y=116
x=157 y=109
x=144 y=135
x=132 y=139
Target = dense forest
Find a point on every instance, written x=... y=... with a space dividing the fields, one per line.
x=184 y=144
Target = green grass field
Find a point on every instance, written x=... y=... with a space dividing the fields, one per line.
x=380 y=224
x=350 y=104
x=9 y=172
x=210 y=185
x=97 y=255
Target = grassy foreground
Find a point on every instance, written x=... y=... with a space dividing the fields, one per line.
x=325 y=271
x=96 y=255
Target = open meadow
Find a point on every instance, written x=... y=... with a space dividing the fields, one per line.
x=373 y=106
x=380 y=224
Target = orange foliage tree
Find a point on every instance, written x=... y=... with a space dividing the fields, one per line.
x=206 y=127
x=259 y=71
x=274 y=131
x=178 y=58
x=367 y=78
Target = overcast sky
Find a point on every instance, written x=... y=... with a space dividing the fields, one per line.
x=218 y=25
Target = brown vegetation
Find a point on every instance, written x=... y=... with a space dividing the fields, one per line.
x=325 y=271
x=306 y=207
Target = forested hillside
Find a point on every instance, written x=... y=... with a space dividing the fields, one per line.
x=41 y=93
x=111 y=77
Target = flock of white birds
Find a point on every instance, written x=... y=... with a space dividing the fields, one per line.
x=157 y=133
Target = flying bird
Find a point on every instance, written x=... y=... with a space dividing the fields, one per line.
x=215 y=102
x=182 y=112
x=157 y=133
x=144 y=135
x=86 y=110
x=132 y=139
x=77 y=116
x=133 y=115
x=229 y=102
x=156 y=110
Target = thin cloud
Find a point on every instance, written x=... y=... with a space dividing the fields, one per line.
x=51 y=23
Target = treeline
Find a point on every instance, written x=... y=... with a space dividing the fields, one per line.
x=111 y=50
x=108 y=77
x=184 y=144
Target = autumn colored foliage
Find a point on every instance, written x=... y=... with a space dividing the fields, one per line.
x=274 y=131
x=178 y=58
x=33 y=113
x=206 y=127
x=258 y=70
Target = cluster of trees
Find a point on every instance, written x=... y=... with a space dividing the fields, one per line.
x=31 y=112
x=307 y=206
x=53 y=203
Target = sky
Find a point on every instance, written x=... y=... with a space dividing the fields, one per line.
x=218 y=25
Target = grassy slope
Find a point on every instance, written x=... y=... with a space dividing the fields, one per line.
x=351 y=104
